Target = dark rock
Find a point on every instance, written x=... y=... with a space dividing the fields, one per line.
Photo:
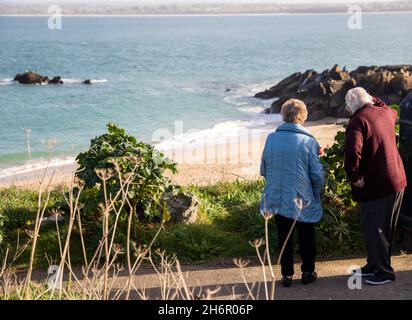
x=56 y=80
x=30 y=77
x=183 y=207
x=324 y=93
x=52 y=219
x=276 y=90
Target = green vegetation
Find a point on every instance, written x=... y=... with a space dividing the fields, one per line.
x=116 y=158
x=340 y=227
x=228 y=219
x=19 y=208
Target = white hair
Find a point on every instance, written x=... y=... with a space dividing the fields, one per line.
x=356 y=98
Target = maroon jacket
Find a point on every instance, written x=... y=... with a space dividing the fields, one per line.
x=371 y=152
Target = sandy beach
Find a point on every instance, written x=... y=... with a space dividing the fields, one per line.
x=200 y=165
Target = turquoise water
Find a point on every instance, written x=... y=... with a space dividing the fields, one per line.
x=165 y=69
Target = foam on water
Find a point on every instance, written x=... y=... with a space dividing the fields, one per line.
x=4 y=82
x=10 y=81
x=223 y=132
x=251 y=109
x=79 y=81
x=35 y=165
x=242 y=97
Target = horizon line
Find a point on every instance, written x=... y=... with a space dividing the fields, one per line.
x=204 y=14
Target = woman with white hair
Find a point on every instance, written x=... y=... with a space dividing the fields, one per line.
x=294 y=180
x=375 y=170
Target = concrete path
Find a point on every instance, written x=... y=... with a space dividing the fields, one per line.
x=332 y=282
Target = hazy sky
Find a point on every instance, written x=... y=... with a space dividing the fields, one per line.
x=184 y=1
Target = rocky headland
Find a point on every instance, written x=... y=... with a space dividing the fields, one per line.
x=324 y=92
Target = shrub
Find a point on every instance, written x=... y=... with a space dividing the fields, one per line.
x=116 y=156
x=340 y=224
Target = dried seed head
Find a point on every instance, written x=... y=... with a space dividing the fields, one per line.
x=267 y=215
x=257 y=243
x=128 y=176
x=240 y=262
x=210 y=293
x=117 y=248
x=300 y=203
x=104 y=173
x=135 y=160
x=78 y=182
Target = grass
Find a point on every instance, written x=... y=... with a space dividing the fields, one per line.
x=228 y=225
x=19 y=208
x=228 y=219
x=223 y=227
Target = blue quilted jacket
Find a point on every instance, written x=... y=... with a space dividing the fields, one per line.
x=293 y=174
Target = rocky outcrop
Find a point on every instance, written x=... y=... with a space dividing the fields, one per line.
x=183 y=207
x=30 y=77
x=56 y=80
x=324 y=93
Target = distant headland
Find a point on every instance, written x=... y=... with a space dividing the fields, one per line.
x=117 y=8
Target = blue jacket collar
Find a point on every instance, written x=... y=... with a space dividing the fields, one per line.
x=293 y=127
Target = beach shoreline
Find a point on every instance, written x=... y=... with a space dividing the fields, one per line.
x=236 y=158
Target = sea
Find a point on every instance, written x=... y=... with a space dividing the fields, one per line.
x=168 y=80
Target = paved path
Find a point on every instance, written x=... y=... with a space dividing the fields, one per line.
x=332 y=282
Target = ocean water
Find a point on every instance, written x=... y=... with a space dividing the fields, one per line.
x=159 y=73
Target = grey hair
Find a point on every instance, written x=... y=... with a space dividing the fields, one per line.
x=295 y=111
x=356 y=98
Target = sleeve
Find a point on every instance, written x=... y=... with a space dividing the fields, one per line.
x=263 y=161
x=316 y=172
x=379 y=103
x=353 y=151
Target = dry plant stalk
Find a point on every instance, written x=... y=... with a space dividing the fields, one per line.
x=95 y=280
x=258 y=243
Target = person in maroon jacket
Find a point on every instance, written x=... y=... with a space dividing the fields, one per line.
x=375 y=170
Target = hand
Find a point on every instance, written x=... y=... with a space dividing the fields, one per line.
x=360 y=183
x=377 y=102
x=321 y=152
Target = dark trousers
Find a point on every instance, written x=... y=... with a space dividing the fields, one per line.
x=379 y=219
x=307 y=244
